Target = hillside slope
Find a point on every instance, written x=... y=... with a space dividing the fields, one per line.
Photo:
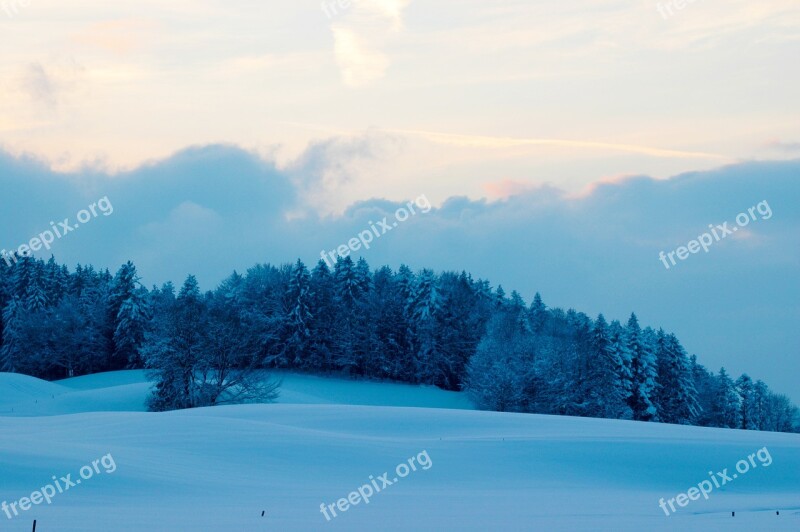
x=126 y=391
x=218 y=469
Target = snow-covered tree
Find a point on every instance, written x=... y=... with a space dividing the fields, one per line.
x=643 y=372
x=128 y=316
x=498 y=373
x=173 y=352
x=298 y=331
x=323 y=324
x=13 y=349
x=726 y=411
x=676 y=396
x=744 y=387
x=425 y=307
x=607 y=383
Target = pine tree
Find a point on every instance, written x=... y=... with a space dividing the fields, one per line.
x=643 y=373
x=726 y=409
x=619 y=345
x=173 y=353
x=759 y=405
x=12 y=352
x=299 y=317
x=322 y=327
x=425 y=308
x=606 y=391
x=386 y=312
x=498 y=372
x=132 y=320
x=500 y=294
x=677 y=396
x=131 y=314
x=347 y=303
x=744 y=387
x=36 y=299
x=538 y=313
x=124 y=287
x=21 y=274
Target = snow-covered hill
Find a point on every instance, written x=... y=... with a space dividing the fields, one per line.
x=218 y=469
x=126 y=391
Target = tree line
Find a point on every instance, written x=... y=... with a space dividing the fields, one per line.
x=447 y=330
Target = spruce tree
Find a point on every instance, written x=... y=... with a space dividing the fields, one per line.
x=643 y=373
x=299 y=317
x=606 y=391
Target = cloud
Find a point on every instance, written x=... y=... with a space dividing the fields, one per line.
x=482 y=141
x=40 y=86
x=326 y=166
x=209 y=210
x=784 y=147
x=359 y=61
x=506 y=188
x=360 y=37
x=49 y=84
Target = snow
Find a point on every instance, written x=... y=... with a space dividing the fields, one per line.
x=218 y=468
x=125 y=391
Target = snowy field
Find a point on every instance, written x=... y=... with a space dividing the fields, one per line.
x=218 y=469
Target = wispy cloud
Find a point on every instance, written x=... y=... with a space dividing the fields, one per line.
x=785 y=147
x=482 y=141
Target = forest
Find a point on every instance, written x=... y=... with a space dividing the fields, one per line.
x=441 y=329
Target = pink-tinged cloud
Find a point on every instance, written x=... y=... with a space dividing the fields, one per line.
x=505 y=189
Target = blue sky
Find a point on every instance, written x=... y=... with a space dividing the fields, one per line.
x=564 y=145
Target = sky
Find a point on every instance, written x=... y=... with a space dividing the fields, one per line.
x=562 y=147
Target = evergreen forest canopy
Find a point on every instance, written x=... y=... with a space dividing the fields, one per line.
x=447 y=330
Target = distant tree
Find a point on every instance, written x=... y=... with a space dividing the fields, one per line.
x=132 y=321
x=228 y=367
x=13 y=350
x=606 y=390
x=173 y=354
x=204 y=354
x=726 y=408
x=299 y=317
x=350 y=302
x=36 y=299
x=323 y=313
x=388 y=327
x=676 y=395
x=497 y=373
x=425 y=308
x=744 y=387
x=781 y=414
x=461 y=324
x=128 y=315
x=758 y=410
x=643 y=373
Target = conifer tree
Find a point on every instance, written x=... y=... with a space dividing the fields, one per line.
x=643 y=372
